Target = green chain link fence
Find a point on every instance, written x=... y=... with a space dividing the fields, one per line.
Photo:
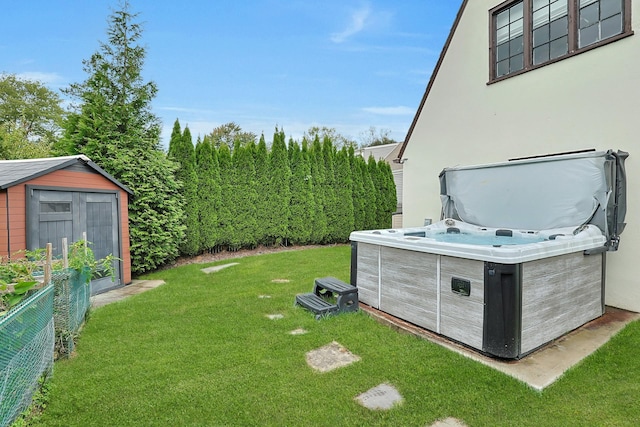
x=71 y=303
x=26 y=351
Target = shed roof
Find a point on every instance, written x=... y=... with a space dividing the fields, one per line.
x=14 y=172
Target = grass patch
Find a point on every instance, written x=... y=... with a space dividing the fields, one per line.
x=201 y=351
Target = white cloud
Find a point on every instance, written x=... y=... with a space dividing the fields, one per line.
x=390 y=111
x=358 y=20
x=45 y=78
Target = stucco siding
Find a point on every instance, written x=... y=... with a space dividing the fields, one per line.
x=589 y=100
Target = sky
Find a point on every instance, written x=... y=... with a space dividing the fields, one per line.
x=344 y=64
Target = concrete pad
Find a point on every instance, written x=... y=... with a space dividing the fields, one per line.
x=449 y=422
x=383 y=397
x=275 y=316
x=217 y=268
x=329 y=357
x=542 y=367
x=136 y=287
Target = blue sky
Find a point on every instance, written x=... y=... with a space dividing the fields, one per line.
x=345 y=64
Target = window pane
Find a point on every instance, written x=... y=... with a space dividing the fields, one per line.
x=558 y=48
x=588 y=36
x=516 y=46
x=609 y=8
x=589 y=15
x=515 y=12
x=502 y=52
x=515 y=29
x=540 y=17
x=559 y=28
x=55 y=207
x=584 y=3
x=516 y=63
x=541 y=36
x=537 y=4
x=502 y=19
x=502 y=35
x=558 y=9
x=502 y=68
x=611 y=26
x=541 y=54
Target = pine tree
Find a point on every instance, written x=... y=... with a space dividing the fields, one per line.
x=226 y=210
x=208 y=194
x=343 y=186
x=302 y=211
x=280 y=192
x=244 y=198
x=263 y=178
x=114 y=125
x=319 y=224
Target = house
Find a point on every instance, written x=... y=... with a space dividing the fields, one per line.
x=45 y=200
x=521 y=78
x=389 y=153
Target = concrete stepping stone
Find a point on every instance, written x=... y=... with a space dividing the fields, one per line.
x=280 y=281
x=217 y=268
x=298 y=331
x=264 y=296
x=275 y=316
x=449 y=422
x=329 y=357
x=382 y=397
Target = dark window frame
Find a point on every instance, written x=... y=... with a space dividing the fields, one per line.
x=573 y=49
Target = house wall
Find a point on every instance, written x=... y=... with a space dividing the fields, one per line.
x=586 y=101
x=15 y=237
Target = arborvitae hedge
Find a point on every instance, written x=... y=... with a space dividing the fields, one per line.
x=208 y=194
x=182 y=152
x=303 y=195
x=279 y=191
x=302 y=209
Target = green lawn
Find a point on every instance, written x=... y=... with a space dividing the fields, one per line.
x=200 y=351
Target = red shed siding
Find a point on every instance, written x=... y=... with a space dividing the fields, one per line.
x=60 y=179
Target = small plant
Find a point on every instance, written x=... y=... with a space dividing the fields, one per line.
x=82 y=257
x=16 y=280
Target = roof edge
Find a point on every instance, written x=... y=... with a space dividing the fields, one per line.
x=68 y=161
x=432 y=78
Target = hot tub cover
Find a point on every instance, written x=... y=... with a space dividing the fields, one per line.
x=541 y=193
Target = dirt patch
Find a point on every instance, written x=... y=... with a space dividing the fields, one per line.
x=330 y=357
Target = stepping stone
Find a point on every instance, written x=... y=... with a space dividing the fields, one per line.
x=383 y=397
x=217 y=268
x=280 y=281
x=298 y=331
x=449 y=422
x=275 y=316
x=264 y=296
x=330 y=357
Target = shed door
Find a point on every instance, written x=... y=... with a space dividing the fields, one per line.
x=56 y=214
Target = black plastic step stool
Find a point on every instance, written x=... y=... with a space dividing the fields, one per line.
x=325 y=289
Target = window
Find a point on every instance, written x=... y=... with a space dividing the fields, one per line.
x=526 y=34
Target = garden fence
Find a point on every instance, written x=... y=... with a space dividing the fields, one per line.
x=72 y=294
x=26 y=353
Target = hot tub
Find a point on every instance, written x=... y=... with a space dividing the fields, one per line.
x=515 y=263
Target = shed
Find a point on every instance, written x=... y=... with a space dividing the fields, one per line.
x=45 y=200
